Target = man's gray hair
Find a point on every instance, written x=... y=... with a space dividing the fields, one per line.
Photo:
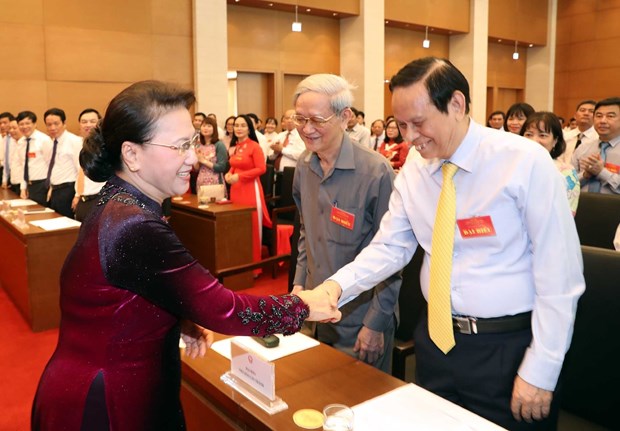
x=335 y=87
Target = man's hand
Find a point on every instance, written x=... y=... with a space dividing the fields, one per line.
x=592 y=164
x=369 y=345
x=74 y=202
x=276 y=147
x=529 y=402
x=322 y=301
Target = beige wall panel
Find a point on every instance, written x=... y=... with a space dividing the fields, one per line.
x=505 y=98
x=446 y=14
x=342 y=6
x=21 y=95
x=172 y=59
x=289 y=85
x=402 y=46
x=502 y=70
x=253 y=93
x=23 y=48
x=111 y=15
x=524 y=20
x=95 y=55
x=172 y=17
x=22 y=11
x=74 y=97
x=268 y=44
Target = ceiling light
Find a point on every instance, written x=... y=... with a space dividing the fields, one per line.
x=515 y=55
x=296 y=25
x=426 y=43
x=531 y=45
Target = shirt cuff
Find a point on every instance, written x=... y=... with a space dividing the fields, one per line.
x=540 y=371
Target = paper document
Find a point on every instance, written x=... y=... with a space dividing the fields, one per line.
x=56 y=223
x=288 y=345
x=39 y=211
x=21 y=202
x=412 y=408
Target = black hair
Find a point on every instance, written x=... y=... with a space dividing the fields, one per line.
x=88 y=111
x=519 y=108
x=201 y=114
x=251 y=131
x=608 y=102
x=440 y=77
x=585 y=102
x=550 y=124
x=57 y=112
x=130 y=117
x=268 y=119
x=27 y=114
x=7 y=115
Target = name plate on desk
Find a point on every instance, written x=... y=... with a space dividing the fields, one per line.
x=254 y=377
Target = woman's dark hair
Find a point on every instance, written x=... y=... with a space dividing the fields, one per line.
x=268 y=119
x=440 y=77
x=251 y=132
x=547 y=122
x=232 y=117
x=397 y=139
x=130 y=117
x=518 y=108
x=215 y=136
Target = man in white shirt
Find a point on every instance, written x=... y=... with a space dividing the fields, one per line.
x=5 y=149
x=584 y=133
x=12 y=179
x=86 y=190
x=377 y=134
x=34 y=151
x=598 y=162
x=289 y=146
x=492 y=258
x=358 y=133
x=64 y=162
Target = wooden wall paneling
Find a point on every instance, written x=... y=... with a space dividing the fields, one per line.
x=289 y=84
x=445 y=14
x=22 y=95
x=402 y=46
x=253 y=93
x=502 y=70
x=21 y=12
x=172 y=17
x=506 y=97
x=524 y=20
x=341 y=6
x=173 y=59
x=23 y=52
x=97 y=55
x=110 y=15
x=74 y=97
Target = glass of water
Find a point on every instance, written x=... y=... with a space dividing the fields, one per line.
x=337 y=417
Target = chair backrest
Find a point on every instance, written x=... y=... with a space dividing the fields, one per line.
x=286 y=191
x=597 y=219
x=590 y=376
x=411 y=302
x=266 y=181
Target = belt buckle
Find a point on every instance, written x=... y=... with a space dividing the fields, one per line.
x=466 y=325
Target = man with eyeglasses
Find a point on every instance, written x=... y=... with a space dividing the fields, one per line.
x=341 y=190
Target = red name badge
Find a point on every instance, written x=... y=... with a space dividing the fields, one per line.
x=614 y=169
x=476 y=227
x=32 y=155
x=342 y=218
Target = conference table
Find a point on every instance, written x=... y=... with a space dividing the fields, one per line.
x=219 y=236
x=31 y=259
x=309 y=379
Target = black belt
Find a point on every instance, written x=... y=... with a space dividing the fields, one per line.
x=63 y=185
x=86 y=198
x=35 y=182
x=473 y=325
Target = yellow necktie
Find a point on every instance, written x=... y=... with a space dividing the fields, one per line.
x=439 y=308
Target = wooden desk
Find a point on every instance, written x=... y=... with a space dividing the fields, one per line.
x=30 y=263
x=309 y=379
x=219 y=236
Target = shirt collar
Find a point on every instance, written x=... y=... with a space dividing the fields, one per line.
x=344 y=161
x=465 y=154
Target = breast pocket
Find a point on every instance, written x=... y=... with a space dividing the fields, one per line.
x=346 y=227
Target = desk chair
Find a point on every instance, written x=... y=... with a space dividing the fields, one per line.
x=590 y=376
x=597 y=219
x=411 y=304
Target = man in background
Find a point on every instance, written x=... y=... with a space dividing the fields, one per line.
x=34 y=151
x=357 y=133
x=584 y=133
x=86 y=190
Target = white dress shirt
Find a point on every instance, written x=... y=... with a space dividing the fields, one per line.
x=533 y=262
x=571 y=137
x=39 y=155
x=67 y=160
x=374 y=143
x=17 y=169
x=292 y=151
x=360 y=135
x=264 y=144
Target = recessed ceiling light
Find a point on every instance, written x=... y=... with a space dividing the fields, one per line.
x=335 y=14
x=499 y=41
x=387 y=22
x=308 y=10
x=531 y=45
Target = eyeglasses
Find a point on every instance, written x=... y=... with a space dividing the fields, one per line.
x=184 y=147
x=315 y=120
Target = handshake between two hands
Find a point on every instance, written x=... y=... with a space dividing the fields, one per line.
x=322 y=301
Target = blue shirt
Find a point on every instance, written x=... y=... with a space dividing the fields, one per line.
x=533 y=262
